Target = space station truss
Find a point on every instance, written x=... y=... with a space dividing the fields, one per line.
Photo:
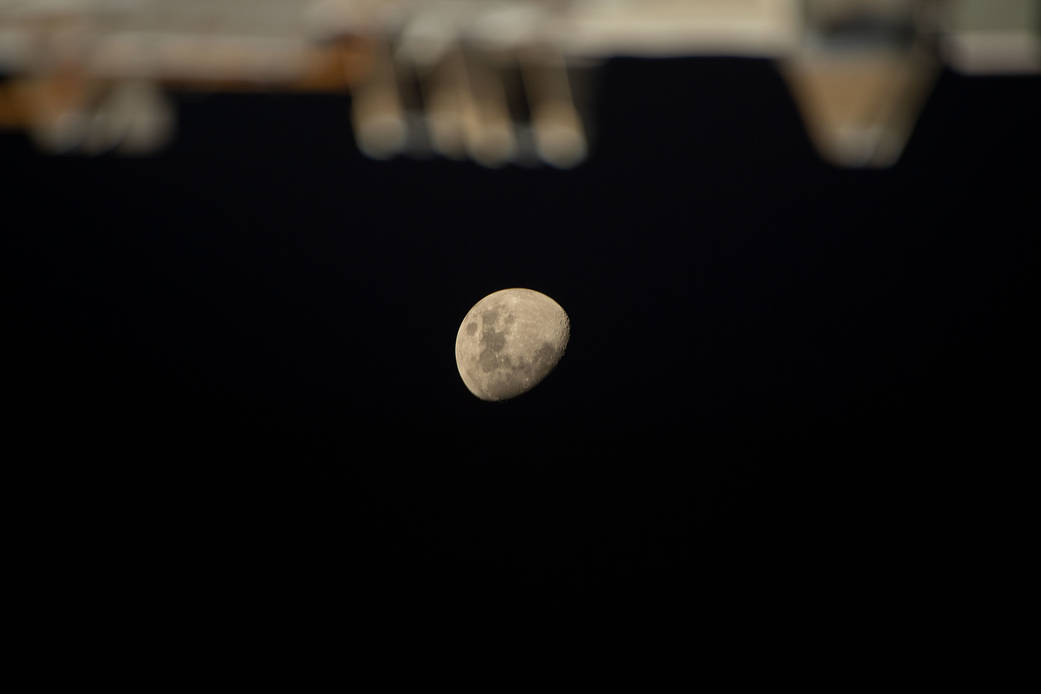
x=493 y=81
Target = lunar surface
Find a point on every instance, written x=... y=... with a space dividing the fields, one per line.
x=509 y=341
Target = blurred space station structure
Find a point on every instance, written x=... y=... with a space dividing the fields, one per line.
x=489 y=80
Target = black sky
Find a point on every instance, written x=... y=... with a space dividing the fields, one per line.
x=239 y=353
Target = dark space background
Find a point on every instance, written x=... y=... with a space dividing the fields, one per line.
x=230 y=373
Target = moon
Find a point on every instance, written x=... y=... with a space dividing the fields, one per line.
x=509 y=342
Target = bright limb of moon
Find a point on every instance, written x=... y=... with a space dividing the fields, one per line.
x=509 y=342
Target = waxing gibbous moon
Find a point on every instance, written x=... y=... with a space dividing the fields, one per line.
x=509 y=341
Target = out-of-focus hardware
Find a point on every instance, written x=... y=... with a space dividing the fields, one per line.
x=490 y=80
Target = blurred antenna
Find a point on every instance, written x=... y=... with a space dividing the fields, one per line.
x=860 y=76
x=378 y=114
x=559 y=136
